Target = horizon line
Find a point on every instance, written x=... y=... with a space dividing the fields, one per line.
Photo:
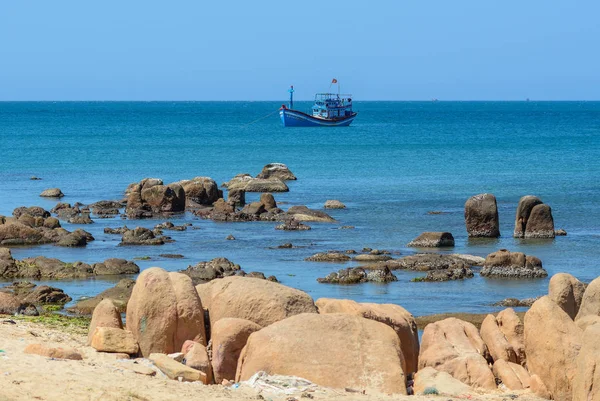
x=434 y=100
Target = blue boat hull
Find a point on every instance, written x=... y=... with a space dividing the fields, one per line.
x=294 y=118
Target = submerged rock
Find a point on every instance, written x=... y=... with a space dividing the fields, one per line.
x=512 y=265
x=356 y=275
x=481 y=216
x=52 y=193
x=141 y=236
x=302 y=213
x=334 y=204
x=328 y=257
x=458 y=273
x=292 y=225
x=276 y=170
x=432 y=240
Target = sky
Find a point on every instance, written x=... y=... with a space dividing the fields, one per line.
x=253 y=50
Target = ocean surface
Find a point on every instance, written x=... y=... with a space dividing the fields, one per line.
x=397 y=162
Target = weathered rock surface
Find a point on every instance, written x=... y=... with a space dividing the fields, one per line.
x=334 y=204
x=44 y=294
x=370 y=358
x=164 y=310
x=443 y=382
x=268 y=201
x=119 y=295
x=9 y=304
x=229 y=337
x=114 y=266
x=328 y=257
x=201 y=190
x=43 y=267
x=540 y=223
x=552 y=342
x=112 y=339
x=356 y=275
x=175 y=370
x=141 y=236
x=515 y=302
x=426 y=262
x=538 y=387
x=590 y=303
x=512 y=328
x=260 y=301
x=105 y=315
x=481 y=216
x=292 y=225
x=148 y=198
x=567 y=292
x=236 y=197
x=459 y=273
x=302 y=213
x=8 y=266
x=51 y=352
x=497 y=343
x=586 y=384
x=507 y=264
x=526 y=204
x=52 y=193
x=247 y=183
x=372 y=257
x=276 y=170
x=394 y=316
x=454 y=346
x=210 y=270
x=432 y=240
x=512 y=375
x=196 y=357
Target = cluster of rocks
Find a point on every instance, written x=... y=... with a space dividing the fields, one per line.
x=271 y=179
x=218 y=268
x=72 y=214
x=42 y=267
x=506 y=264
x=23 y=298
x=357 y=275
x=141 y=236
x=533 y=218
x=34 y=226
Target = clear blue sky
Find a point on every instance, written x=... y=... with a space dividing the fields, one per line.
x=253 y=50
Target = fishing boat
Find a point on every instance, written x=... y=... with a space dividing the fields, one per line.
x=329 y=110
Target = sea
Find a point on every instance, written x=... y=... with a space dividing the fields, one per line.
x=394 y=165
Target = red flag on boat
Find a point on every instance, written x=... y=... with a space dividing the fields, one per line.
x=334 y=81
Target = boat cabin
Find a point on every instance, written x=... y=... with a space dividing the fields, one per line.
x=332 y=106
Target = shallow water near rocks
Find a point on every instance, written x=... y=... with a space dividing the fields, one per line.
x=397 y=162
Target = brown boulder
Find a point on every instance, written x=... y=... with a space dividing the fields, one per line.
x=175 y=370
x=586 y=385
x=333 y=204
x=8 y=267
x=526 y=204
x=196 y=357
x=268 y=201
x=201 y=190
x=332 y=350
x=229 y=337
x=261 y=301
x=511 y=326
x=590 y=303
x=164 y=198
x=236 y=197
x=15 y=233
x=432 y=240
x=454 y=346
x=50 y=352
x=115 y=266
x=276 y=170
x=394 y=316
x=540 y=223
x=552 y=342
x=567 y=292
x=112 y=339
x=481 y=216
x=302 y=213
x=164 y=310
x=9 y=304
x=105 y=315
x=512 y=375
x=506 y=264
x=52 y=193
x=497 y=343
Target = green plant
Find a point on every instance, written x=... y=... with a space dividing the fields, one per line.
x=431 y=391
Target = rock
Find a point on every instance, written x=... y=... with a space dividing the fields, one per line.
x=345 y=351
x=459 y=273
x=230 y=238
x=44 y=294
x=201 y=190
x=213 y=269
x=220 y=206
x=567 y=292
x=260 y=301
x=105 y=315
x=164 y=310
x=276 y=170
x=561 y=232
x=34 y=178
x=248 y=184
x=497 y=343
x=171 y=256
x=140 y=236
x=8 y=267
x=9 y=304
x=443 y=382
x=302 y=213
x=590 y=303
x=118 y=230
x=50 y=352
x=51 y=223
x=35 y=211
x=73 y=240
x=287 y=245
x=538 y=387
x=255 y=208
x=236 y=197
x=19 y=234
x=177 y=356
x=81 y=219
x=114 y=266
x=334 y=204
x=512 y=375
x=399 y=319
x=514 y=302
x=268 y=201
x=167 y=225
x=112 y=339
x=197 y=358
x=290 y=225
x=229 y=337
x=106 y=208
x=507 y=264
x=119 y=295
x=432 y=239
x=356 y=275
x=540 y=223
x=328 y=257
x=42 y=267
x=137 y=368
x=27 y=309
x=426 y=262
x=454 y=346
x=52 y=193
x=512 y=328
x=587 y=375
x=526 y=204
x=165 y=198
x=481 y=216
x=175 y=370
x=371 y=258
x=552 y=342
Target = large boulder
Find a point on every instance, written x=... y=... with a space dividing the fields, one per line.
x=497 y=343
x=586 y=384
x=302 y=213
x=332 y=350
x=52 y=193
x=540 y=223
x=112 y=339
x=8 y=267
x=506 y=264
x=590 y=303
x=115 y=266
x=105 y=315
x=165 y=198
x=567 y=292
x=9 y=304
x=201 y=190
x=512 y=375
x=395 y=316
x=443 y=382
x=42 y=267
x=526 y=204
x=15 y=233
x=260 y=301
x=276 y=170
x=35 y=211
x=44 y=294
x=552 y=342
x=428 y=262
x=141 y=236
x=335 y=257
x=229 y=336
x=512 y=328
x=196 y=357
x=432 y=240
x=357 y=275
x=164 y=311
x=454 y=346
x=481 y=216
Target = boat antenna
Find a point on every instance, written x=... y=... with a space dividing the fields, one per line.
x=291 y=90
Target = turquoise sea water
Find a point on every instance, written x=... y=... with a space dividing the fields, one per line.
x=396 y=162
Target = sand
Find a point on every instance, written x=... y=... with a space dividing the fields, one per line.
x=101 y=376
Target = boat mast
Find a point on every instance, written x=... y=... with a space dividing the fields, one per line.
x=291 y=90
